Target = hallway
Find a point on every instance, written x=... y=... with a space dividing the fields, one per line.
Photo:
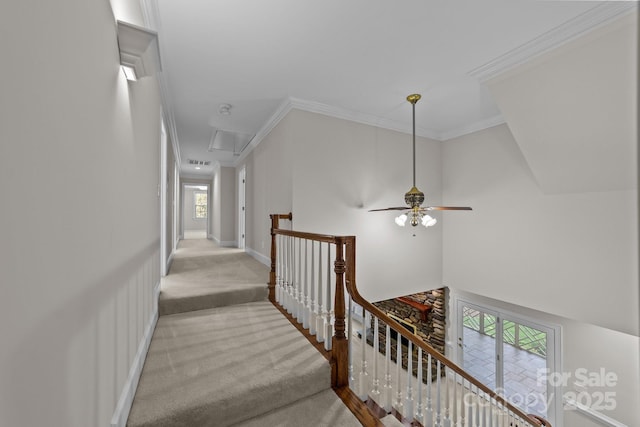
x=226 y=356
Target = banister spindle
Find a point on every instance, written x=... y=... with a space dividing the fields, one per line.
x=375 y=391
x=320 y=314
x=364 y=375
x=419 y=415
x=276 y=251
x=387 y=387
x=313 y=305
x=305 y=294
x=438 y=391
x=300 y=293
x=408 y=405
x=447 y=420
x=455 y=399
x=399 y=405
x=428 y=415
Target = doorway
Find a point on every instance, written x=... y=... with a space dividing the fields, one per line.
x=195 y=211
x=509 y=354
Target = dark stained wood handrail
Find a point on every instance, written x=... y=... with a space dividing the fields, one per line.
x=345 y=268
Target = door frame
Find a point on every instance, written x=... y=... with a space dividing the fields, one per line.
x=554 y=350
x=242 y=203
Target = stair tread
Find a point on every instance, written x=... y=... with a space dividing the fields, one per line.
x=223 y=365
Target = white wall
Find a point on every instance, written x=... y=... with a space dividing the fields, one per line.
x=573 y=255
x=341 y=170
x=269 y=186
x=224 y=206
x=331 y=172
x=81 y=249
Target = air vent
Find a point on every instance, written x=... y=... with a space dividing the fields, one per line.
x=199 y=162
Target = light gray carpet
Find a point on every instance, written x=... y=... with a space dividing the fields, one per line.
x=220 y=366
x=324 y=409
x=228 y=356
x=204 y=275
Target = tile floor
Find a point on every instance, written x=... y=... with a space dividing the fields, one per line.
x=520 y=370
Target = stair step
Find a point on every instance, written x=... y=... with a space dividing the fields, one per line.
x=205 y=276
x=194 y=298
x=324 y=409
x=225 y=365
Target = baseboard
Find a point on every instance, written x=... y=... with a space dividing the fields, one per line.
x=121 y=413
x=169 y=262
x=592 y=413
x=257 y=255
x=224 y=243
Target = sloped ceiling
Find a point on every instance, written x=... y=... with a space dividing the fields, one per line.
x=573 y=111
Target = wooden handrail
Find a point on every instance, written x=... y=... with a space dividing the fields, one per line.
x=345 y=268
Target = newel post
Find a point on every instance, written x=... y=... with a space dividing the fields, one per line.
x=275 y=224
x=340 y=347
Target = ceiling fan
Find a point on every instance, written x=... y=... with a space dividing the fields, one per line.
x=414 y=197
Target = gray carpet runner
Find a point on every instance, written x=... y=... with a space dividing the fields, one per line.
x=227 y=360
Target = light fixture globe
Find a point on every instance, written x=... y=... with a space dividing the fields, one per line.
x=401 y=220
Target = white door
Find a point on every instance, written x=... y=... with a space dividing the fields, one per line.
x=510 y=355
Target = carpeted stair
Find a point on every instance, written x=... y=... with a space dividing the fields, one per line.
x=226 y=359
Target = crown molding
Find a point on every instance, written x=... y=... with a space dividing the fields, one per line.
x=354 y=116
x=473 y=127
x=596 y=17
x=282 y=110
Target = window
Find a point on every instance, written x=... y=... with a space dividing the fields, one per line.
x=200 y=205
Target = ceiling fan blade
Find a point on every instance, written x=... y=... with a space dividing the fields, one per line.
x=446 y=208
x=397 y=208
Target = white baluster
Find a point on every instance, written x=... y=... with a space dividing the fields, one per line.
x=408 y=405
x=319 y=318
x=484 y=415
x=289 y=276
x=455 y=399
x=447 y=420
x=428 y=415
x=364 y=375
x=398 y=403
x=300 y=296
x=375 y=391
x=387 y=387
x=438 y=389
x=470 y=413
x=328 y=304
x=313 y=304
x=419 y=415
x=282 y=269
x=277 y=268
x=305 y=299
x=477 y=423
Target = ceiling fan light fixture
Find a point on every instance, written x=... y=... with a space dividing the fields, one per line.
x=429 y=221
x=414 y=197
x=401 y=219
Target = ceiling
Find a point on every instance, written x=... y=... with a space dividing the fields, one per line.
x=355 y=59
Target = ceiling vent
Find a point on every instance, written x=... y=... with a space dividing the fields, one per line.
x=199 y=162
